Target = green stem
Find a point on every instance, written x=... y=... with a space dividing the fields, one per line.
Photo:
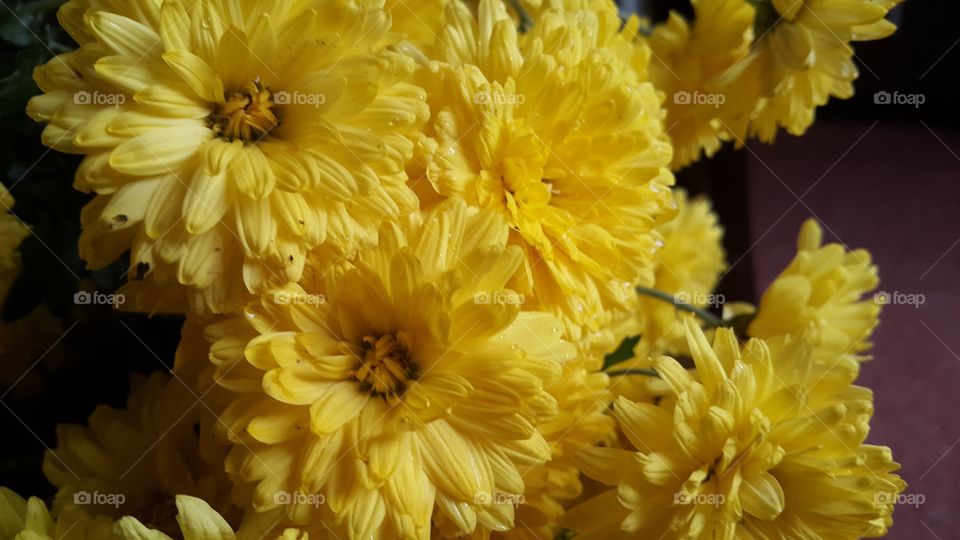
x=712 y=320
x=525 y=21
x=633 y=371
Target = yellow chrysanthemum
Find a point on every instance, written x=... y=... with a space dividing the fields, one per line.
x=802 y=58
x=760 y=443
x=688 y=266
x=745 y=68
x=196 y=520
x=688 y=63
x=134 y=461
x=821 y=293
x=226 y=139
x=12 y=233
x=31 y=520
x=34 y=337
x=582 y=398
x=402 y=390
x=557 y=131
x=29 y=349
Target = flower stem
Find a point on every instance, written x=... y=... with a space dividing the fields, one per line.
x=712 y=320
x=633 y=371
x=525 y=21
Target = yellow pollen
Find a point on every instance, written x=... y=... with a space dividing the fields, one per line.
x=246 y=116
x=385 y=367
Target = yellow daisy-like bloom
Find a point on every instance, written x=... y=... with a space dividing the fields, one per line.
x=12 y=233
x=821 y=294
x=196 y=520
x=31 y=520
x=583 y=398
x=30 y=348
x=135 y=461
x=26 y=341
x=688 y=267
x=758 y=444
x=687 y=65
x=557 y=131
x=745 y=68
x=802 y=58
x=401 y=391
x=226 y=139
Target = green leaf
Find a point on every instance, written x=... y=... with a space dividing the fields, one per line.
x=623 y=352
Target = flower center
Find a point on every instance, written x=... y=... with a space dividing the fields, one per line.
x=246 y=116
x=516 y=180
x=385 y=367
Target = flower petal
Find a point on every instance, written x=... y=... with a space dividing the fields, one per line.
x=336 y=407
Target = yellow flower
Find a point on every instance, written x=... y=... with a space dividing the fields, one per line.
x=196 y=520
x=745 y=68
x=134 y=461
x=31 y=520
x=582 y=398
x=688 y=267
x=403 y=387
x=688 y=63
x=557 y=131
x=821 y=294
x=30 y=348
x=802 y=57
x=760 y=443
x=22 y=519
x=224 y=141
x=12 y=233
x=25 y=342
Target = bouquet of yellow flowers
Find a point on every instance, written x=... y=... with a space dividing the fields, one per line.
x=438 y=282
